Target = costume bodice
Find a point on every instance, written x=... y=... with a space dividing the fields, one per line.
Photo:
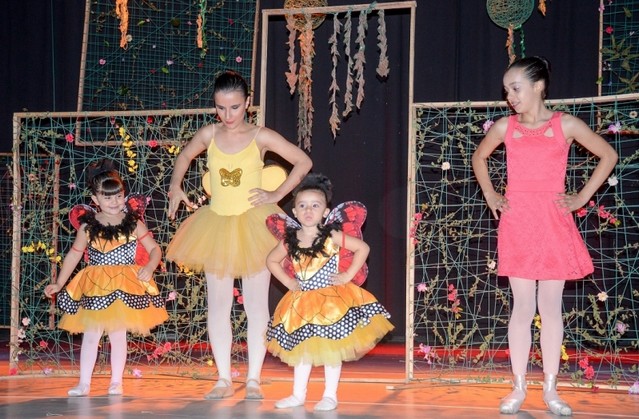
x=232 y=176
x=119 y=251
x=314 y=272
x=536 y=158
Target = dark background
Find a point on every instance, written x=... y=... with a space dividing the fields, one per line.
x=460 y=55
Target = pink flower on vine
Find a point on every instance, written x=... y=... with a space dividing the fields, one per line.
x=240 y=299
x=231 y=21
x=581 y=212
x=238 y=59
x=452 y=293
x=589 y=372
x=609 y=30
x=421 y=287
x=489 y=123
x=583 y=363
x=172 y=296
x=614 y=128
x=102 y=61
x=69 y=137
x=43 y=344
x=153 y=143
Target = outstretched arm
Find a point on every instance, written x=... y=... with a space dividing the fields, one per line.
x=155 y=253
x=70 y=262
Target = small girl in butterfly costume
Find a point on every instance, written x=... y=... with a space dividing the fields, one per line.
x=325 y=318
x=115 y=292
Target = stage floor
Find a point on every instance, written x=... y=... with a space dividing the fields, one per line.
x=373 y=387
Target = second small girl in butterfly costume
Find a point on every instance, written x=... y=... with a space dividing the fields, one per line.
x=325 y=318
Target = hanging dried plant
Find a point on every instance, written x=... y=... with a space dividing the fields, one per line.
x=510 y=44
x=542 y=7
x=382 y=66
x=122 y=12
x=291 y=74
x=348 y=95
x=304 y=86
x=360 y=57
x=201 y=28
x=334 y=120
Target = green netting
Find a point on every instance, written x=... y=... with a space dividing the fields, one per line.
x=162 y=66
x=53 y=151
x=620 y=47
x=461 y=308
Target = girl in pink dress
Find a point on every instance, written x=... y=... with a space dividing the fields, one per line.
x=539 y=246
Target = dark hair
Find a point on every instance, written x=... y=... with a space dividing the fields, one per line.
x=316 y=182
x=103 y=178
x=535 y=69
x=230 y=81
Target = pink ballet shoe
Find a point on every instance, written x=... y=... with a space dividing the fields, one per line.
x=79 y=390
x=222 y=390
x=287 y=403
x=253 y=390
x=326 y=404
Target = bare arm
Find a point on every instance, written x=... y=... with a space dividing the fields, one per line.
x=200 y=142
x=576 y=129
x=274 y=264
x=155 y=253
x=491 y=141
x=360 y=252
x=269 y=140
x=70 y=262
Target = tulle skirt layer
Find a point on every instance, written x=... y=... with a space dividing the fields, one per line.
x=234 y=245
x=326 y=326
x=110 y=298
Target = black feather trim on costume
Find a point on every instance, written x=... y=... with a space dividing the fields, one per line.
x=317 y=248
x=110 y=232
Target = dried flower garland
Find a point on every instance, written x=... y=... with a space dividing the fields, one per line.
x=122 y=12
x=301 y=79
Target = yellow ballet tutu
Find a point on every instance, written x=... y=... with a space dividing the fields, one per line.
x=110 y=298
x=326 y=326
x=224 y=245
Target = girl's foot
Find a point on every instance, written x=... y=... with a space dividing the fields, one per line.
x=115 y=389
x=510 y=404
x=555 y=404
x=222 y=390
x=290 y=401
x=79 y=390
x=326 y=404
x=253 y=390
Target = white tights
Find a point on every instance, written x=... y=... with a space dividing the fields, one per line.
x=547 y=297
x=89 y=353
x=301 y=374
x=220 y=302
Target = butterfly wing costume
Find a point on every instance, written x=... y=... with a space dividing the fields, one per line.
x=106 y=294
x=322 y=323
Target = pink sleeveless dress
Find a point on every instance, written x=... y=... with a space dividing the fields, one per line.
x=537 y=239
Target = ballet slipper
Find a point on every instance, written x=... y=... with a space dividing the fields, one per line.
x=326 y=404
x=510 y=404
x=80 y=390
x=552 y=399
x=222 y=390
x=253 y=390
x=290 y=401
x=115 y=389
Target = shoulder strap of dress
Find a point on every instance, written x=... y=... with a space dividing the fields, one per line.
x=512 y=122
